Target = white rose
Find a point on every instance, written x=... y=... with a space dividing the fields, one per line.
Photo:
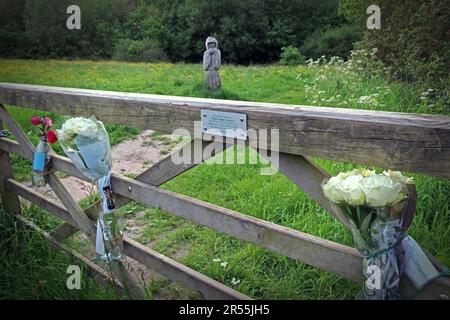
x=332 y=190
x=398 y=177
x=382 y=191
x=351 y=187
x=79 y=126
x=367 y=173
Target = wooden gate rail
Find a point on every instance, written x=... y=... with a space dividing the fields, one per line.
x=391 y=140
x=160 y=263
x=348 y=260
x=77 y=218
x=330 y=256
x=419 y=143
x=96 y=272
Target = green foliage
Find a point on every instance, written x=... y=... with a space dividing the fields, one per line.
x=291 y=56
x=331 y=42
x=45 y=34
x=413 y=42
x=143 y=22
x=8 y=40
x=251 y=31
x=355 y=11
x=248 y=31
x=148 y=50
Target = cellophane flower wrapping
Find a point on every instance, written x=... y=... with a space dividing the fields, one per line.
x=85 y=141
x=378 y=215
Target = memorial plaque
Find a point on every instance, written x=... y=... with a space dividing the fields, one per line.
x=225 y=124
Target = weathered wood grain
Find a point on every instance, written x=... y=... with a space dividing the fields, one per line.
x=327 y=255
x=400 y=141
x=265 y=234
x=63 y=231
x=82 y=221
x=316 y=252
x=96 y=272
x=77 y=214
x=309 y=176
x=180 y=273
x=22 y=138
x=10 y=200
x=163 y=265
x=161 y=172
x=210 y=288
x=156 y=175
x=37 y=198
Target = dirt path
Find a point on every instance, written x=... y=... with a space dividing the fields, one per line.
x=130 y=158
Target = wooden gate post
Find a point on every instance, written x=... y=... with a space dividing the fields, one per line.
x=10 y=200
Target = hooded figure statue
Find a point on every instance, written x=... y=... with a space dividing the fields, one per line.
x=212 y=63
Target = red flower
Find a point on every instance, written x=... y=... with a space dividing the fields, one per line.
x=48 y=122
x=51 y=136
x=35 y=120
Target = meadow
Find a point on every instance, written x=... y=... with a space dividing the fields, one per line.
x=252 y=270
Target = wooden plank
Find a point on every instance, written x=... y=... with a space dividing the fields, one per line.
x=63 y=231
x=11 y=146
x=330 y=256
x=87 y=226
x=219 y=219
x=156 y=261
x=22 y=138
x=96 y=272
x=80 y=218
x=37 y=198
x=161 y=172
x=314 y=251
x=163 y=265
x=309 y=176
x=327 y=255
x=400 y=141
x=10 y=200
x=180 y=273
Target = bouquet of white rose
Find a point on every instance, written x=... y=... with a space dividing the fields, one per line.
x=380 y=208
x=86 y=142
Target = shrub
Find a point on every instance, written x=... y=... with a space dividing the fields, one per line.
x=147 y=50
x=8 y=40
x=413 y=41
x=331 y=42
x=291 y=56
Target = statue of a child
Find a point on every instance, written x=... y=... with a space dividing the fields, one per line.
x=212 y=63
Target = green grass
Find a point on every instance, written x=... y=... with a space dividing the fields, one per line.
x=31 y=268
x=262 y=274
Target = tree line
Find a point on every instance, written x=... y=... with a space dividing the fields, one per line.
x=251 y=31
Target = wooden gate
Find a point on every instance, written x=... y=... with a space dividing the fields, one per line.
x=397 y=141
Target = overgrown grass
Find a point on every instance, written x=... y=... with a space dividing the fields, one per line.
x=261 y=273
x=330 y=86
x=31 y=268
